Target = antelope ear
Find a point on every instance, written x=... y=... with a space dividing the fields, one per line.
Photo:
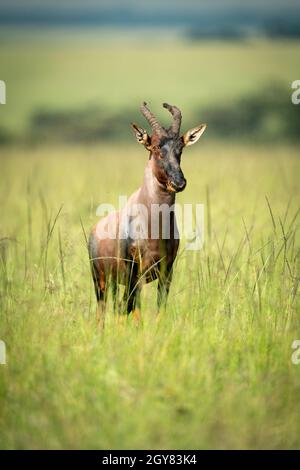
x=141 y=135
x=193 y=135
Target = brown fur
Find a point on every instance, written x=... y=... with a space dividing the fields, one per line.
x=133 y=262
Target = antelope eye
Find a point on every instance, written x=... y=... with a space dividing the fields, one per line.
x=160 y=153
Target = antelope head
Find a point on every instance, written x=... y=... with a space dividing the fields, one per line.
x=166 y=146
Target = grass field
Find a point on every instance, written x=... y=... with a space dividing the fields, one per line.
x=216 y=371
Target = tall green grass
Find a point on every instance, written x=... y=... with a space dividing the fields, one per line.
x=216 y=372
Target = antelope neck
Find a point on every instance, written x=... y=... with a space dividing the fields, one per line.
x=153 y=192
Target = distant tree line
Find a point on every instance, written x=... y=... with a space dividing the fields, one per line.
x=267 y=116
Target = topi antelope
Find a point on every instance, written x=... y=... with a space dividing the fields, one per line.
x=119 y=257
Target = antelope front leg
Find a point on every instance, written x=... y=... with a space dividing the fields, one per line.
x=163 y=288
x=136 y=306
x=100 y=314
x=134 y=300
x=101 y=295
x=132 y=293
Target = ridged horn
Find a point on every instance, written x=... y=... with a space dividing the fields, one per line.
x=156 y=127
x=176 y=113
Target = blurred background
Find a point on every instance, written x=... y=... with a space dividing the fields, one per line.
x=77 y=72
x=217 y=372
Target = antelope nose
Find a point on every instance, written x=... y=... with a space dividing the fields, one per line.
x=180 y=186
